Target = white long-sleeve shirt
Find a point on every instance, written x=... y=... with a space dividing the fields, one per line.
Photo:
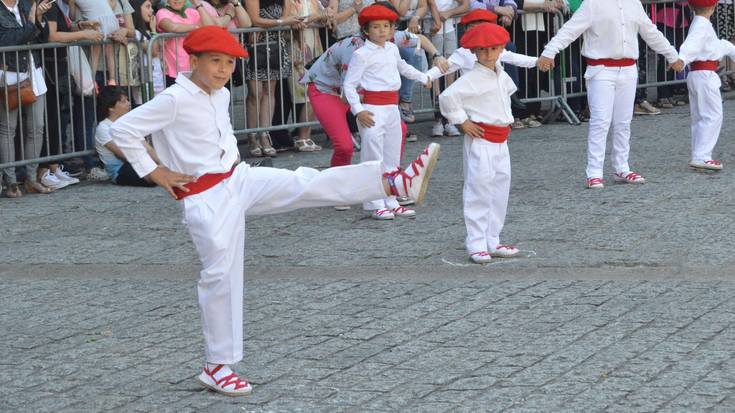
x=464 y=60
x=191 y=131
x=702 y=43
x=376 y=69
x=481 y=95
x=610 y=29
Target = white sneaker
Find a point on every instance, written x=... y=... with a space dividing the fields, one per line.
x=404 y=212
x=62 y=176
x=228 y=384
x=437 y=129
x=404 y=201
x=50 y=180
x=382 y=214
x=710 y=164
x=504 y=251
x=412 y=182
x=481 y=257
x=96 y=174
x=451 y=130
x=412 y=138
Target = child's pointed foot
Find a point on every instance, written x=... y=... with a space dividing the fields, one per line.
x=413 y=181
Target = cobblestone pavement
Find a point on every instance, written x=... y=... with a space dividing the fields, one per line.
x=625 y=302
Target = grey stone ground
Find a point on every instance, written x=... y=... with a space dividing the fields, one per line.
x=624 y=304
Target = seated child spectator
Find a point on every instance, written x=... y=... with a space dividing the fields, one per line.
x=112 y=103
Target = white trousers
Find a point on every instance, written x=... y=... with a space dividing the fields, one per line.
x=382 y=143
x=705 y=104
x=611 y=97
x=485 y=193
x=216 y=222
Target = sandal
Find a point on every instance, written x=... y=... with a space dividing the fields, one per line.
x=665 y=103
x=37 y=188
x=267 y=144
x=531 y=122
x=13 y=191
x=306 y=145
x=255 y=149
x=518 y=124
x=407 y=113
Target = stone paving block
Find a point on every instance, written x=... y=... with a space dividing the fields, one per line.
x=655 y=333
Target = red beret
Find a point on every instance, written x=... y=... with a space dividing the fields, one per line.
x=376 y=12
x=484 y=36
x=479 y=15
x=213 y=39
x=703 y=3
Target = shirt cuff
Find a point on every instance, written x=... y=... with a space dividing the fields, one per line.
x=434 y=73
x=548 y=53
x=357 y=108
x=144 y=166
x=456 y=118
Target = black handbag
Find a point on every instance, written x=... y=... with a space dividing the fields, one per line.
x=264 y=56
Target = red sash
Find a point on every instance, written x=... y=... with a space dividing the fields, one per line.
x=495 y=134
x=381 y=98
x=203 y=183
x=611 y=62
x=704 y=65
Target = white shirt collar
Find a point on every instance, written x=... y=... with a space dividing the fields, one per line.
x=372 y=45
x=183 y=80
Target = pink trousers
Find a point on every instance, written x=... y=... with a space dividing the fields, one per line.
x=331 y=112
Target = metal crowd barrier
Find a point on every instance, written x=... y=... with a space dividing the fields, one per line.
x=282 y=104
x=69 y=112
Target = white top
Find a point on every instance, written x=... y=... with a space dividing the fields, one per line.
x=482 y=95
x=94 y=9
x=610 y=29
x=702 y=43
x=533 y=21
x=464 y=60
x=191 y=131
x=376 y=69
x=444 y=5
x=101 y=138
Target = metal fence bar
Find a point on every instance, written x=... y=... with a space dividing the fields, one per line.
x=259 y=99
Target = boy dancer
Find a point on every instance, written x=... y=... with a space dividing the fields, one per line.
x=479 y=102
x=201 y=167
x=702 y=51
x=610 y=29
x=376 y=68
x=464 y=60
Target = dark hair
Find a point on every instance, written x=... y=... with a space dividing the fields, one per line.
x=701 y=10
x=387 y=5
x=107 y=99
x=138 y=22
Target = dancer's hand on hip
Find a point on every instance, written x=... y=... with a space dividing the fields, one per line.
x=366 y=119
x=472 y=129
x=168 y=180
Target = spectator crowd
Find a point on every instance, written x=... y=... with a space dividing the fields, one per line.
x=62 y=100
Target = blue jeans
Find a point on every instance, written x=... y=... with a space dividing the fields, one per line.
x=83 y=125
x=406 y=91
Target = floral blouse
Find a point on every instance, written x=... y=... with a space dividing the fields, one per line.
x=328 y=72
